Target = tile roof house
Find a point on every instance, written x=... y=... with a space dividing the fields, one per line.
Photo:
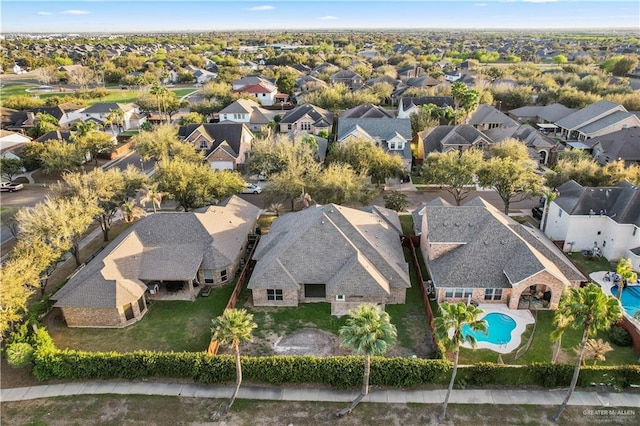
x=475 y=252
x=332 y=254
x=583 y=217
x=596 y=119
x=156 y=253
x=447 y=138
x=248 y=112
x=226 y=145
x=621 y=145
x=409 y=105
x=264 y=93
x=392 y=134
x=306 y=119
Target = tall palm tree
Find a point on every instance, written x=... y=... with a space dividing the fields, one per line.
x=367 y=331
x=625 y=270
x=592 y=310
x=233 y=327
x=453 y=316
x=150 y=193
x=160 y=92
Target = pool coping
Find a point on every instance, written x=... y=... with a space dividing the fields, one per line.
x=522 y=317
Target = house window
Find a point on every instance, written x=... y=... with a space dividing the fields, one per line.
x=305 y=126
x=203 y=144
x=493 y=294
x=497 y=294
x=340 y=297
x=458 y=292
x=141 y=305
x=223 y=275
x=289 y=127
x=468 y=292
x=208 y=276
x=128 y=312
x=273 y=294
x=488 y=294
x=315 y=291
x=448 y=292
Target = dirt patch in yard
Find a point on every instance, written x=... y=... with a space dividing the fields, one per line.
x=308 y=341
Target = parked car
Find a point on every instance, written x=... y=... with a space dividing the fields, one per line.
x=252 y=188
x=11 y=187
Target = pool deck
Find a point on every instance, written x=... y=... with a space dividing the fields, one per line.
x=598 y=278
x=522 y=317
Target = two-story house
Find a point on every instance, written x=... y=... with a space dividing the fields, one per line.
x=248 y=112
x=226 y=146
x=306 y=119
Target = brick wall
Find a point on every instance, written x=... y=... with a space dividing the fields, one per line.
x=102 y=317
x=260 y=298
x=540 y=280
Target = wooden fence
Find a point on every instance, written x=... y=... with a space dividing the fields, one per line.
x=408 y=242
x=242 y=278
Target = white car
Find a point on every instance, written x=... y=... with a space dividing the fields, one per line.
x=10 y=187
x=252 y=188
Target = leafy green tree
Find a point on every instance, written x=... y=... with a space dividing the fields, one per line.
x=454 y=316
x=31 y=155
x=627 y=275
x=9 y=167
x=95 y=143
x=339 y=184
x=105 y=190
x=559 y=59
x=233 y=328
x=22 y=102
x=59 y=156
x=592 y=310
x=192 y=118
x=16 y=276
x=272 y=156
x=44 y=123
x=61 y=222
x=453 y=169
x=510 y=172
x=422 y=119
x=40 y=256
x=192 y=185
x=369 y=332
x=366 y=158
x=624 y=66
x=162 y=143
x=84 y=127
x=396 y=200
x=286 y=81
x=465 y=99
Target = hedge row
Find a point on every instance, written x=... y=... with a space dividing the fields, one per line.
x=341 y=372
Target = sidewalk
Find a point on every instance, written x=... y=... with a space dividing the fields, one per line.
x=394 y=396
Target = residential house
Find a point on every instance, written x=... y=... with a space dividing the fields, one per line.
x=265 y=94
x=306 y=119
x=11 y=143
x=596 y=119
x=409 y=105
x=23 y=121
x=447 y=138
x=410 y=71
x=162 y=256
x=56 y=135
x=367 y=111
x=583 y=218
x=544 y=116
x=331 y=253
x=452 y=76
x=100 y=112
x=621 y=145
x=392 y=134
x=476 y=253
x=203 y=76
x=541 y=147
x=349 y=78
x=309 y=83
x=248 y=112
x=487 y=117
x=250 y=80
x=225 y=145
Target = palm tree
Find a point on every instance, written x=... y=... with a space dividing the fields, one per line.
x=453 y=316
x=116 y=116
x=160 y=92
x=367 y=331
x=232 y=328
x=561 y=324
x=590 y=308
x=151 y=194
x=625 y=270
x=597 y=350
x=130 y=210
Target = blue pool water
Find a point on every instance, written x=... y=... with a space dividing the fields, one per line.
x=630 y=298
x=499 y=328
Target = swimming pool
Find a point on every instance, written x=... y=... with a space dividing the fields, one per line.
x=630 y=299
x=499 y=329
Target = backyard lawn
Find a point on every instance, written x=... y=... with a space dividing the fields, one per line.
x=589 y=264
x=168 y=326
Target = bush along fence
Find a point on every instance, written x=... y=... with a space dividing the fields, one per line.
x=336 y=371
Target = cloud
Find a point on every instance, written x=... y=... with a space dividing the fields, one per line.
x=329 y=18
x=261 y=8
x=75 y=12
x=43 y=13
x=479 y=4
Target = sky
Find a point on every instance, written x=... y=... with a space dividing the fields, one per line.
x=114 y=16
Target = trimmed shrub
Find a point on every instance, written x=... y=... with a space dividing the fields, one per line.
x=19 y=354
x=619 y=336
x=551 y=375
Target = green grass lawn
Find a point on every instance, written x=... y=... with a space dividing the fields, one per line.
x=168 y=326
x=588 y=264
x=406 y=221
x=541 y=349
x=182 y=92
x=7 y=213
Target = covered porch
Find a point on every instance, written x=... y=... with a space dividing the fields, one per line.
x=173 y=290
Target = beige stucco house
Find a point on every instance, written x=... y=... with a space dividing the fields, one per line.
x=163 y=256
x=330 y=253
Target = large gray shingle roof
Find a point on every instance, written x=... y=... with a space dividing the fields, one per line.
x=353 y=252
x=163 y=246
x=316 y=113
x=587 y=114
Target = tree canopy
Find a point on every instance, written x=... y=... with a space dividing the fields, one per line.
x=454 y=170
